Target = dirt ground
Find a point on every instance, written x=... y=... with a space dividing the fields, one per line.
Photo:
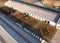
x=2 y=3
